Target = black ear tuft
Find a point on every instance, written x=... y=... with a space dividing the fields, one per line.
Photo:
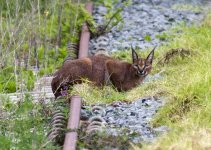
x=151 y=56
x=134 y=55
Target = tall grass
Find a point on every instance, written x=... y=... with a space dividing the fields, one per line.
x=33 y=37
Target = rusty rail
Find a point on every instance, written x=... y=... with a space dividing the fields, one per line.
x=85 y=36
x=73 y=123
x=75 y=101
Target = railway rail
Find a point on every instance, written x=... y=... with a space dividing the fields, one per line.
x=76 y=101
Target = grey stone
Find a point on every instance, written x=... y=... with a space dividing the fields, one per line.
x=161 y=129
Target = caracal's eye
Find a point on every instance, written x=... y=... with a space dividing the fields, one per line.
x=135 y=66
x=147 y=65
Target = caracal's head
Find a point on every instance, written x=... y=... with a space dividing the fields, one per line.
x=142 y=67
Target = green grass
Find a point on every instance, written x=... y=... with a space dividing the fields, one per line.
x=24 y=125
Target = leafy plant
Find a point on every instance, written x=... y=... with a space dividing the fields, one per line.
x=147 y=38
x=112 y=18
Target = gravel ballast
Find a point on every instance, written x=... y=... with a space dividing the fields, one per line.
x=145 y=23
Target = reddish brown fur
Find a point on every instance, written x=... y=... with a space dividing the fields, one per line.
x=100 y=69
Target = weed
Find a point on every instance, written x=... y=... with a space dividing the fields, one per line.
x=174 y=53
x=147 y=38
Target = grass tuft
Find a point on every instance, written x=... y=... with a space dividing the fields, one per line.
x=92 y=94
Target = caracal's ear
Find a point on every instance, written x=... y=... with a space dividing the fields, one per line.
x=151 y=56
x=134 y=55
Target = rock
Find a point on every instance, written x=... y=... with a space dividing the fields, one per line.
x=161 y=129
x=135 y=117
